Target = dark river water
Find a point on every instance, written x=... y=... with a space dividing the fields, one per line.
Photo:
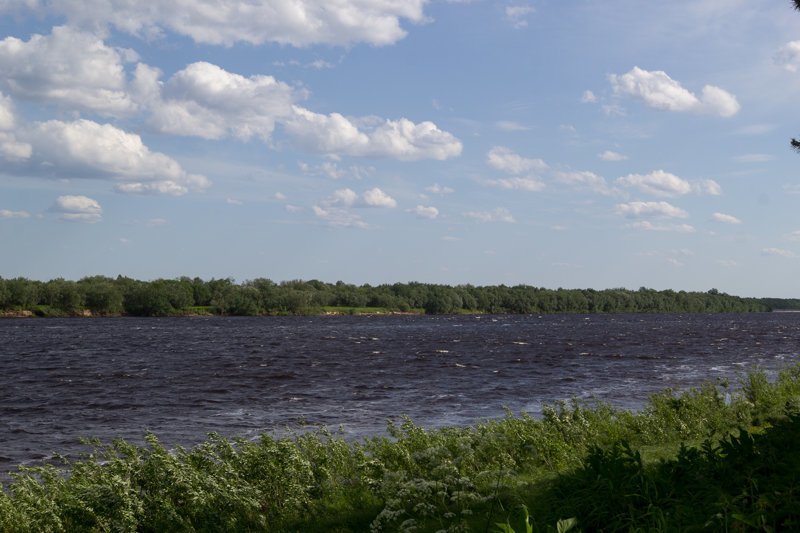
x=181 y=378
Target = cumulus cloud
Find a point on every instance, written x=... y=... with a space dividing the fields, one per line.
x=11 y=148
x=519 y=184
x=86 y=149
x=204 y=100
x=657 y=183
x=650 y=209
x=336 y=209
x=725 y=219
x=499 y=214
x=507 y=160
x=585 y=180
x=610 y=155
x=400 y=139
x=67 y=67
x=77 y=209
x=788 y=56
x=428 y=212
x=297 y=23
x=377 y=198
x=659 y=91
x=5 y=213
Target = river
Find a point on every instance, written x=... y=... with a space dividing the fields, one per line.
x=181 y=378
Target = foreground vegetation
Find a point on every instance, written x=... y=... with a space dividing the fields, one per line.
x=713 y=458
x=99 y=295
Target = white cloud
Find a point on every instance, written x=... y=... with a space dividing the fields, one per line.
x=777 y=252
x=610 y=155
x=726 y=219
x=649 y=226
x=377 y=198
x=233 y=201
x=400 y=139
x=709 y=187
x=507 y=160
x=657 y=183
x=342 y=197
x=11 y=149
x=336 y=209
x=517 y=15
x=86 y=149
x=280 y=196
x=207 y=101
x=520 y=184
x=588 y=97
x=428 y=212
x=7 y=118
x=794 y=236
x=788 y=56
x=499 y=214
x=78 y=209
x=67 y=67
x=298 y=23
x=659 y=91
x=585 y=180
x=5 y=213
x=650 y=209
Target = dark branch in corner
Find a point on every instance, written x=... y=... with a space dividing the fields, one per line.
x=795 y=143
x=797 y=4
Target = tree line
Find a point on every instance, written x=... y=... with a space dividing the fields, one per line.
x=106 y=296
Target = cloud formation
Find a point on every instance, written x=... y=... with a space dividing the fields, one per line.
x=204 y=100
x=428 y=212
x=77 y=209
x=70 y=68
x=725 y=219
x=298 y=23
x=499 y=214
x=658 y=91
x=610 y=155
x=788 y=56
x=650 y=209
x=507 y=160
x=519 y=184
x=657 y=183
x=400 y=139
x=585 y=180
x=6 y=213
x=86 y=149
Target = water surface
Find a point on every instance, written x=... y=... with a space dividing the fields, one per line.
x=63 y=379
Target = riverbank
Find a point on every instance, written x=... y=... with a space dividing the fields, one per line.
x=712 y=457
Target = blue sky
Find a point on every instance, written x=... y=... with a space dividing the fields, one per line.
x=583 y=143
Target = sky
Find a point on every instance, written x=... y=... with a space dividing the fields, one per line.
x=576 y=144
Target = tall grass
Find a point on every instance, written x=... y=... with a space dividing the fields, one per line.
x=715 y=457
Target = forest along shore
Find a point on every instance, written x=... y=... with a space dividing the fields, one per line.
x=120 y=296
